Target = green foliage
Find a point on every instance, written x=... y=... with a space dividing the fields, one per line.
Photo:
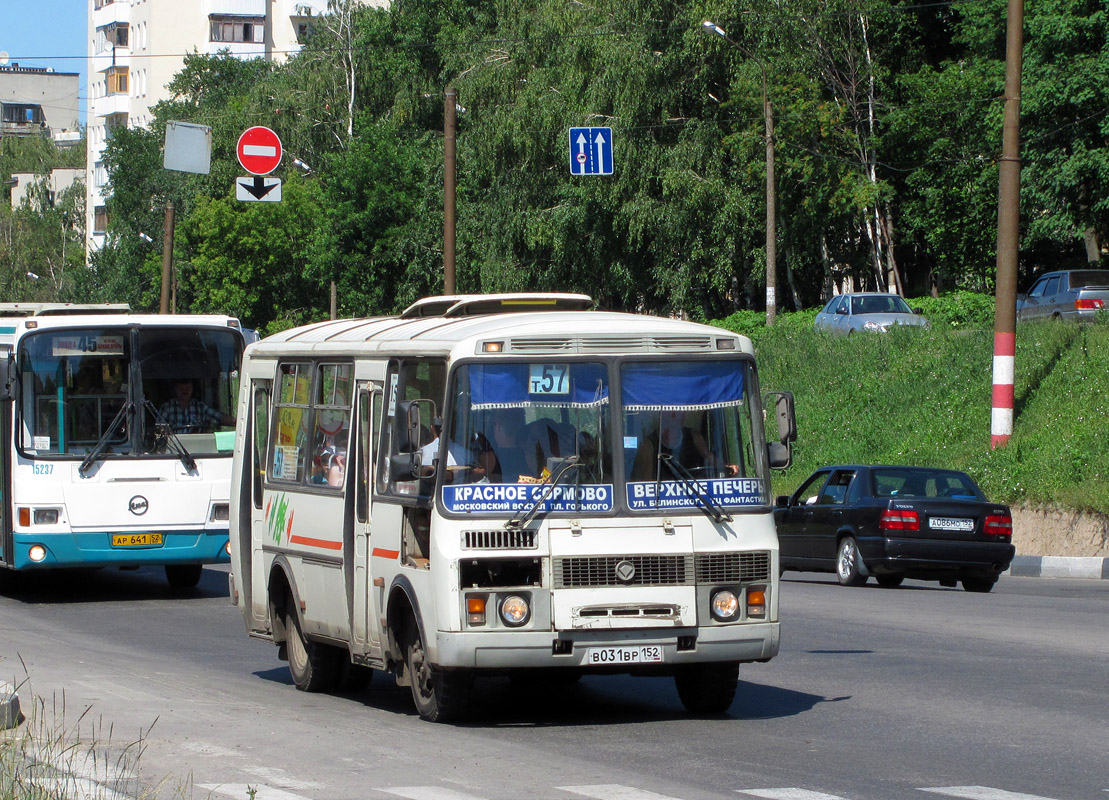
x=960 y=309
x=924 y=397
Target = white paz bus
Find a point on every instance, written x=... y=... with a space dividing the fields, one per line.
x=490 y=484
x=96 y=467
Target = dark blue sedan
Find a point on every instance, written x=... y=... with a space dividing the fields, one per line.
x=895 y=523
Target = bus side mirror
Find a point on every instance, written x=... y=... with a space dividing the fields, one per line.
x=404 y=467
x=406 y=436
x=780 y=455
x=784 y=413
x=7 y=378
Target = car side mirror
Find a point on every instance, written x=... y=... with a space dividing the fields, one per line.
x=781 y=501
x=918 y=310
x=842 y=310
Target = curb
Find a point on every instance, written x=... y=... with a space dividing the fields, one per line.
x=10 y=715
x=1059 y=567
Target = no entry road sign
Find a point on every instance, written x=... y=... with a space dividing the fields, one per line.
x=259 y=150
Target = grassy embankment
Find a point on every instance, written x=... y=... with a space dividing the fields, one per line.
x=924 y=397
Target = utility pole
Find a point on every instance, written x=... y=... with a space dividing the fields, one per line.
x=167 y=258
x=450 y=100
x=771 y=193
x=1008 y=237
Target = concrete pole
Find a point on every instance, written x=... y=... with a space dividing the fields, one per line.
x=1008 y=237
x=450 y=100
x=771 y=211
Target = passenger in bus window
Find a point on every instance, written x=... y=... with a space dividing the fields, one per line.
x=429 y=453
x=337 y=467
x=186 y=414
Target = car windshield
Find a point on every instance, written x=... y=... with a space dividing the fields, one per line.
x=879 y=304
x=924 y=483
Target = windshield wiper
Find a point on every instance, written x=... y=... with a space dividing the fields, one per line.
x=518 y=521
x=102 y=443
x=712 y=508
x=161 y=425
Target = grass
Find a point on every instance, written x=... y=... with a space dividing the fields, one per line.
x=924 y=397
x=54 y=755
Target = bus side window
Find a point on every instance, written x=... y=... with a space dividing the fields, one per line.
x=369 y=412
x=261 y=411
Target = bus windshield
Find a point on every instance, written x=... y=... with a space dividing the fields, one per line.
x=685 y=439
x=141 y=391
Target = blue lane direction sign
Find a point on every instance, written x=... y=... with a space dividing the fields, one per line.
x=591 y=151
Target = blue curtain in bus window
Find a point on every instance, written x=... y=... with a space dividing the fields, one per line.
x=681 y=385
x=511 y=385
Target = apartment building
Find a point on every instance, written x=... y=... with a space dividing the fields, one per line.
x=39 y=101
x=136 y=47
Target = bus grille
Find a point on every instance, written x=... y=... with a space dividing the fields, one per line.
x=499 y=540
x=733 y=567
x=580 y=571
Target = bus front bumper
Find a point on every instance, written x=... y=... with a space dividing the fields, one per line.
x=503 y=650
x=96 y=549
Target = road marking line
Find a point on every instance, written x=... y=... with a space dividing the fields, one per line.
x=614 y=791
x=429 y=793
x=982 y=793
x=241 y=790
x=789 y=794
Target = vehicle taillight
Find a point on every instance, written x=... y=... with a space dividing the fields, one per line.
x=1088 y=304
x=899 y=520
x=998 y=525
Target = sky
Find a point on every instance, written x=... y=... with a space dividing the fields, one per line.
x=47 y=33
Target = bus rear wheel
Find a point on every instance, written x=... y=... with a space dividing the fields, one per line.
x=707 y=688
x=183 y=576
x=314 y=666
x=439 y=695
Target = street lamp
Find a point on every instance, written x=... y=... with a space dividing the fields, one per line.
x=32 y=276
x=145 y=238
x=302 y=166
x=771 y=195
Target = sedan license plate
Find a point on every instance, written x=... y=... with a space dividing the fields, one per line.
x=641 y=654
x=950 y=524
x=136 y=539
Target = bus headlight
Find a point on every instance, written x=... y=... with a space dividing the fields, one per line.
x=725 y=605
x=37 y=553
x=46 y=516
x=515 y=610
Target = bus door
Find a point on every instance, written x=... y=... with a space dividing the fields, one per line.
x=261 y=392
x=368 y=597
x=6 y=407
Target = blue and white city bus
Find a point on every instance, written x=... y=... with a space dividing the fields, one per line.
x=97 y=468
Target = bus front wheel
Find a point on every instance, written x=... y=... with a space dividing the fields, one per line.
x=439 y=696
x=707 y=688
x=183 y=576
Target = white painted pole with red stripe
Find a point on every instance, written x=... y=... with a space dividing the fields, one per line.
x=1008 y=237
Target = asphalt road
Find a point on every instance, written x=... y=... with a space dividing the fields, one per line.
x=877 y=694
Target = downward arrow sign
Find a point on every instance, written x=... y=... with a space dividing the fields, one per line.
x=258 y=188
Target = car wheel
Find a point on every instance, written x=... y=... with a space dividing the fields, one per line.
x=889 y=581
x=980 y=585
x=848 y=563
x=707 y=688
x=439 y=696
x=314 y=666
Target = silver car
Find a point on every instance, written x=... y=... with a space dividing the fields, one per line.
x=1067 y=294
x=867 y=311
